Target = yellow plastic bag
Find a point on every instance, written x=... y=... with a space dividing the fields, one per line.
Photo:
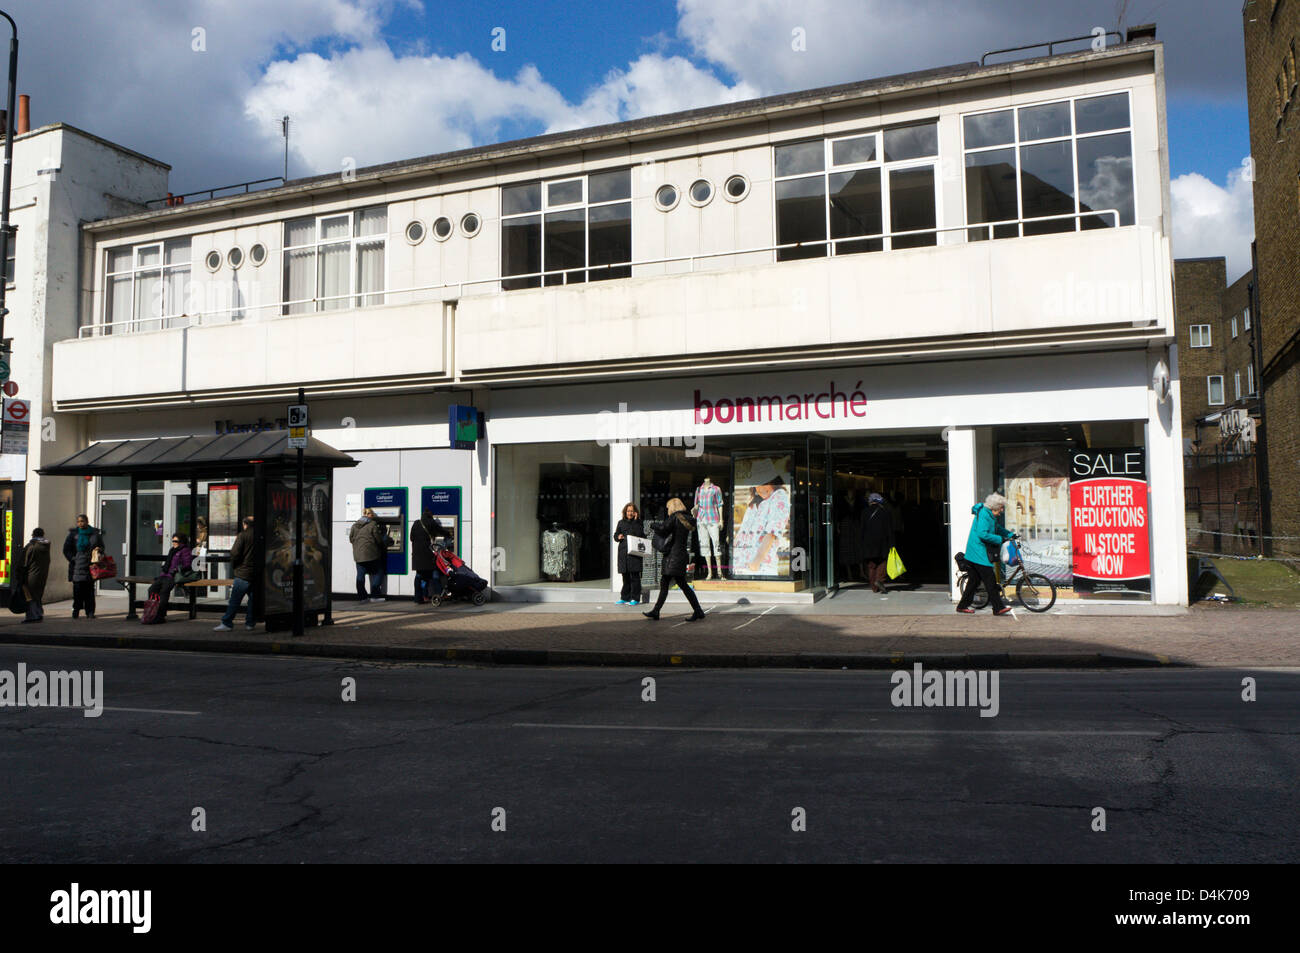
x=894 y=565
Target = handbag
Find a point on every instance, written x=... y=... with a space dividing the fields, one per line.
x=894 y=564
x=662 y=543
x=105 y=568
x=187 y=575
x=638 y=546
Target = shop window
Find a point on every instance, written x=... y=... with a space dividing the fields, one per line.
x=1214 y=385
x=855 y=194
x=332 y=262
x=1055 y=159
x=1200 y=335
x=570 y=230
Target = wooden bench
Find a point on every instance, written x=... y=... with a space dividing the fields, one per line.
x=193 y=587
x=198 y=584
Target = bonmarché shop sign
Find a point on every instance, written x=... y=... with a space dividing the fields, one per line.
x=1109 y=520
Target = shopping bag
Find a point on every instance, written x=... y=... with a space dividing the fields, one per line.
x=638 y=546
x=894 y=565
x=1010 y=553
x=106 y=568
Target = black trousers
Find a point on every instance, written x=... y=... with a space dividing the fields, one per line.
x=162 y=587
x=631 y=591
x=683 y=585
x=982 y=576
x=83 y=597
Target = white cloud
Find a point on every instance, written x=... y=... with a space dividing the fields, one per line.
x=1211 y=220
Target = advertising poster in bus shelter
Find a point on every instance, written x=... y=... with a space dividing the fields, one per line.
x=223 y=516
x=1036 y=483
x=1109 y=520
x=761 y=516
x=280 y=514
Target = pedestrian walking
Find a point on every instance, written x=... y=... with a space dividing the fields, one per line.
x=36 y=568
x=877 y=540
x=178 y=562
x=629 y=564
x=78 y=549
x=678 y=528
x=425 y=532
x=242 y=565
x=986 y=537
x=370 y=553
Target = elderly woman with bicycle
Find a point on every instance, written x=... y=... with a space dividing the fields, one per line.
x=987 y=533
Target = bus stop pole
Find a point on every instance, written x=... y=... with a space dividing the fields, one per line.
x=297 y=541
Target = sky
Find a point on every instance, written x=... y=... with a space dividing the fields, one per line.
x=201 y=84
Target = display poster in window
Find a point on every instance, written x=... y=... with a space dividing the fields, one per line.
x=1036 y=483
x=760 y=517
x=223 y=516
x=280 y=514
x=1109 y=507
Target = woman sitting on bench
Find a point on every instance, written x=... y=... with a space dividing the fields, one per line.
x=179 y=561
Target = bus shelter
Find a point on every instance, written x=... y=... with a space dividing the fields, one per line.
x=229 y=477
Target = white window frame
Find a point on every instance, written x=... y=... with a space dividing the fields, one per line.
x=1204 y=335
x=352 y=299
x=1234 y=327
x=1246 y=320
x=1250 y=380
x=167 y=309
x=829 y=168
x=1236 y=385
x=1073 y=138
x=1209 y=390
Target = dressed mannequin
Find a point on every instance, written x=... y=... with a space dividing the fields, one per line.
x=708 y=518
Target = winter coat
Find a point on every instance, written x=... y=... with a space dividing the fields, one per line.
x=422 y=536
x=36 y=567
x=179 y=559
x=79 y=559
x=241 y=556
x=625 y=529
x=681 y=528
x=986 y=530
x=877 y=533
x=369 y=541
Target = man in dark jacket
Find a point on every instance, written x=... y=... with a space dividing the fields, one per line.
x=370 y=553
x=82 y=540
x=36 y=569
x=679 y=530
x=242 y=564
x=877 y=540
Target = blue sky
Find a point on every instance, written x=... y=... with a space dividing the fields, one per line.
x=372 y=81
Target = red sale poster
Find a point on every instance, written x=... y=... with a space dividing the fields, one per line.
x=1109 y=521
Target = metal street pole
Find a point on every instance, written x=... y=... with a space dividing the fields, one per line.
x=9 y=163
x=298 y=608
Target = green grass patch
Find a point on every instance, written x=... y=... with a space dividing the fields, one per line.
x=1260 y=581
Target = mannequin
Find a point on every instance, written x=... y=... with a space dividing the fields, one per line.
x=708 y=516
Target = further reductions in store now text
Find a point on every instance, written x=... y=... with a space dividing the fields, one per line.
x=1109 y=520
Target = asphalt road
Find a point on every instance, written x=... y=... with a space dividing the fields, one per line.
x=585 y=770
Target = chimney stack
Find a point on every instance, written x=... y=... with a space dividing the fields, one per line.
x=24 y=115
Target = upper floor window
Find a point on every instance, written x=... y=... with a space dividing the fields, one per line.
x=1050 y=163
x=571 y=229
x=1214 y=384
x=1250 y=380
x=146 y=286
x=1200 y=335
x=1234 y=327
x=1246 y=318
x=857 y=193
x=335 y=261
x=1236 y=385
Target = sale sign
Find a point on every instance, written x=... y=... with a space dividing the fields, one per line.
x=1109 y=521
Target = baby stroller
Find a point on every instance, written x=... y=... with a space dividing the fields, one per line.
x=458 y=580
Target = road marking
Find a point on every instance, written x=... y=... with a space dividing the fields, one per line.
x=689 y=619
x=838 y=731
x=153 y=711
x=756 y=618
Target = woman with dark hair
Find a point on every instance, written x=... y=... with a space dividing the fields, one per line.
x=629 y=564
x=679 y=529
x=179 y=560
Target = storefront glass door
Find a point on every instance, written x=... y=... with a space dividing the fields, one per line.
x=112 y=524
x=821 y=541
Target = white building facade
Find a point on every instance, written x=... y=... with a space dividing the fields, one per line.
x=930 y=286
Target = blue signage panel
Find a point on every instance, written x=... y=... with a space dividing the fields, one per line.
x=389 y=504
x=464 y=426
x=444 y=503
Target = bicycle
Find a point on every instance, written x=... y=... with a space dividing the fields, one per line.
x=1035 y=591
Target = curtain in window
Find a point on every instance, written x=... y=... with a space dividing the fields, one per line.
x=148 y=301
x=370 y=273
x=300 y=280
x=332 y=278
x=176 y=301
x=119 y=302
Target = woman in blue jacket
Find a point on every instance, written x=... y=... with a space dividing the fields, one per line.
x=986 y=537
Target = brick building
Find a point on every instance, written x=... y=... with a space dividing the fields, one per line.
x=1272 y=32
x=1217 y=347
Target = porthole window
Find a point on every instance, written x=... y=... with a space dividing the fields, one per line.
x=442 y=228
x=235 y=257
x=212 y=260
x=415 y=232
x=736 y=188
x=469 y=225
x=257 y=253
x=666 y=197
x=701 y=192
